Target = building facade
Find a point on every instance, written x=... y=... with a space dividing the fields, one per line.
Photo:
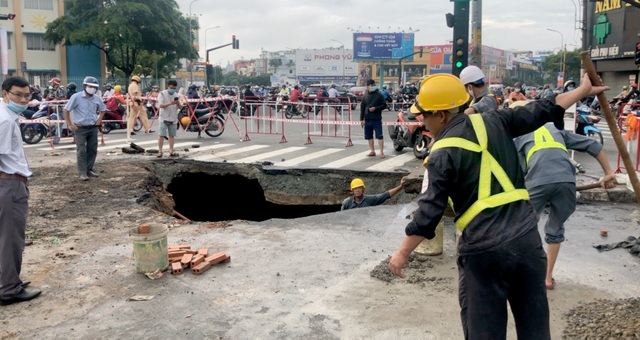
x=30 y=56
x=612 y=33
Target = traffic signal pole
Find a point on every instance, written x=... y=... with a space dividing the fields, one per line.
x=235 y=43
x=460 y=53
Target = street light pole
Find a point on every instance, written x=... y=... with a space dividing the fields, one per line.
x=343 y=73
x=190 y=41
x=564 y=49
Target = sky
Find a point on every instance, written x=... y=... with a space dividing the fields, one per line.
x=275 y=25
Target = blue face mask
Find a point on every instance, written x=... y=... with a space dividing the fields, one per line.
x=373 y=88
x=15 y=107
x=570 y=88
x=171 y=91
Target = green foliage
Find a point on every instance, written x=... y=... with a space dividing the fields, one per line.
x=553 y=64
x=133 y=30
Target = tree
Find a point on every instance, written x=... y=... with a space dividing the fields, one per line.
x=127 y=31
x=553 y=64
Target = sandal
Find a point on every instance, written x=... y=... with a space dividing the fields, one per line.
x=159 y=155
x=173 y=154
x=371 y=154
x=381 y=156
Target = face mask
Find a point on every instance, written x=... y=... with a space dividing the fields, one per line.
x=15 y=107
x=372 y=88
x=470 y=91
x=517 y=89
x=171 y=91
x=570 y=88
x=90 y=90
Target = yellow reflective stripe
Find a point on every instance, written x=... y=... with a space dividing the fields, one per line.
x=456 y=142
x=490 y=202
x=488 y=166
x=543 y=140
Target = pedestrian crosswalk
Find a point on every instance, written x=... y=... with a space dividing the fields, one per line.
x=318 y=155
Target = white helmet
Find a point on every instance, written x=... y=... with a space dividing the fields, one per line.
x=471 y=74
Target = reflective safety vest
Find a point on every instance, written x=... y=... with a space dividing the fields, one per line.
x=543 y=140
x=488 y=166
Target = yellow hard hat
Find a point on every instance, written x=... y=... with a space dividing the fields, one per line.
x=438 y=92
x=356 y=183
x=117 y=88
x=136 y=78
x=185 y=120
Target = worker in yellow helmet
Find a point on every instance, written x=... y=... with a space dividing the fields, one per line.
x=360 y=200
x=475 y=163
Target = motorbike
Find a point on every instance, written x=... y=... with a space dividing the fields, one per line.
x=410 y=136
x=585 y=123
x=292 y=110
x=117 y=119
x=209 y=120
x=37 y=126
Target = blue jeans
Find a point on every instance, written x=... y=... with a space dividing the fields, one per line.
x=86 y=148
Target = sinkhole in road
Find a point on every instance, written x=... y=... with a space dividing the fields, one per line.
x=206 y=197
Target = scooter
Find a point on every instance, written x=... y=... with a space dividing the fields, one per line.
x=211 y=121
x=585 y=123
x=37 y=127
x=410 y=136
x=117 y=119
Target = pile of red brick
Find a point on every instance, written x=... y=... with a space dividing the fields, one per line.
x=182 y=256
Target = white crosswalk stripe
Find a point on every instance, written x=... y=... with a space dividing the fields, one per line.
x=392 y=162
x=308 y=157
x=230 y=152
x=267 y=155
x=284 y=156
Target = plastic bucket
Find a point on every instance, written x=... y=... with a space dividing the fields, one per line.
x=433 y=246
x=150 y=250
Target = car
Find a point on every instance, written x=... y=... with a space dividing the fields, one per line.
x=358 y=91
x=311 y=91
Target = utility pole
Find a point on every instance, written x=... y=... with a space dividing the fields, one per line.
x=476 y=33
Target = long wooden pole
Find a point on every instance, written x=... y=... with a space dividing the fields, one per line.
x=611 y=122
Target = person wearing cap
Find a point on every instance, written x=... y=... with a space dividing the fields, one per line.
x=550 y=179
x=360 y=200
x=473 y=79
x=88 y=110
x=108 y=91
x=136 y=109
x=54 y=91
x=474 y=163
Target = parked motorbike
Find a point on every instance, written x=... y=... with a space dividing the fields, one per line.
x=211 y=121
x=410 y=136
x=585 y=123
x=117 y=119
x=37 y=126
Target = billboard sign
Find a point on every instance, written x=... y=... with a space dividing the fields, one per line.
x=383 y=46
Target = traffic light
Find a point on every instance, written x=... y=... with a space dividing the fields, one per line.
x=460 y=57
x=637 y=58
x=235 y=43
x=420 y=52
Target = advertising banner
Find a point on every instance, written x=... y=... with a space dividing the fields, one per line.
x=383 y=46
